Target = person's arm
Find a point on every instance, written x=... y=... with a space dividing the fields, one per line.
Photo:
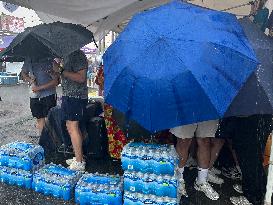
x=27 y=78
x=51 y=84
x=79 y=77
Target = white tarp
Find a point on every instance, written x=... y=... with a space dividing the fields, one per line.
x=104 y=21
x=105 y=15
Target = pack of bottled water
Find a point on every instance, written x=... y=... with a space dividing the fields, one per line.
x=150 y=184
x=56 y=180
x=149 y=158
x=22 y=155
x=149 y=174
x=15 y=176
x=141 y=199
x=99 y=189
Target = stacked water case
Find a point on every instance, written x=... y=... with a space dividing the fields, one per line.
x=56 y=180
x=149 y=174
x=18 y=161
x=99 y=189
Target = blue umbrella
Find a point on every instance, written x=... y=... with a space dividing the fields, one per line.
x=177 y=64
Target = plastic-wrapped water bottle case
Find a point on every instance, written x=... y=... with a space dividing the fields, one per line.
x=149 y=174
x=56 y=180
x=15 y=176
x=99 y=189
x=22 y=155
x=149 y=158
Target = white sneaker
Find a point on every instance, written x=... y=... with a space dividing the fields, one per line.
x=213 y=178
x=238 y=188
x=240 y=200
x=215 y=171
x=77 y=166
x=207 y=189
x=69 y=161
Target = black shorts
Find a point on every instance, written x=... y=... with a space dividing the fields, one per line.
x=40 y=106
x=73 y=109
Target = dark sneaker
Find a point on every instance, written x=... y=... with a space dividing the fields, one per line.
x=232 y=173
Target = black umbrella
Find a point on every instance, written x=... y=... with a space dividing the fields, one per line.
x=47 y=40
x=130 y=127
x=256 y=96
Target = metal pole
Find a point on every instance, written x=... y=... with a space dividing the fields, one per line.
x=103 y=42
x=269 y=186
x=99 y=46
x=113 y=36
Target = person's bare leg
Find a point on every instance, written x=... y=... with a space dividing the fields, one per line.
x=192 y=149
x=203 y=159
x=76 y=138
x=216 y=146
x=203 y=152
x=182 y=149
x=40 y=125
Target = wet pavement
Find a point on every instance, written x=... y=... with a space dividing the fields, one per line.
x=16 y=123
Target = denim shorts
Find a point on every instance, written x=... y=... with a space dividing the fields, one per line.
x=73 y=109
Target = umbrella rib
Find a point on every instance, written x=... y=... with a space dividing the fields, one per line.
x=191 y=40
x=133 y=61
x=44 y=41
x=203 y=93
x=223 y=74
x=262 y=87
x=192 y=75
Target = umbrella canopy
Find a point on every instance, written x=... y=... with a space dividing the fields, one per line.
x=164 y=72
x=130 y=127
x=256 y=97
x=54 y=39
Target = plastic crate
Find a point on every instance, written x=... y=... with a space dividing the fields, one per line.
x=96 y=189
x=22 y=155
x=56 y=180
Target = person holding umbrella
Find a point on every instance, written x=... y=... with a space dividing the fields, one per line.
x=42 y=88
x=74 y=100
x=54 y=39
x=253 y=108
x=174 y=74
x=203 y=131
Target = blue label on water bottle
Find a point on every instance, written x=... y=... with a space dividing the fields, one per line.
x=148 y=201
